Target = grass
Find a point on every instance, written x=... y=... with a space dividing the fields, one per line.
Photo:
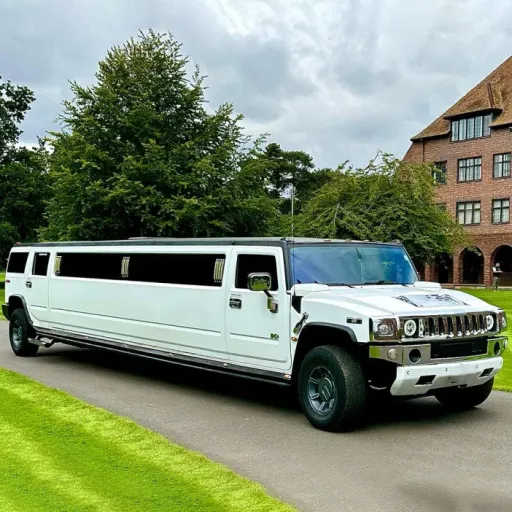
x=62 y=455
x=502 y=299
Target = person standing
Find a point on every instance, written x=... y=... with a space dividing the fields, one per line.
x=496 y=272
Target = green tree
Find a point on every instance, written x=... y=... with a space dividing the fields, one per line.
x=140 y=154
x=391 y=200
x=23 y=173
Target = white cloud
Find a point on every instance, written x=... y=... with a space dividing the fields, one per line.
x=338 y=78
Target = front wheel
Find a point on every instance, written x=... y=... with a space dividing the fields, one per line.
x=332 y=389
x=465 y=398
x=19 y=329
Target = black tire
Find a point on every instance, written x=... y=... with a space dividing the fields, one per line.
x=19 y=330
x=465 y=398
x=342 y=387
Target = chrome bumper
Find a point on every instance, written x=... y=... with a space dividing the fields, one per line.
x=407 y=355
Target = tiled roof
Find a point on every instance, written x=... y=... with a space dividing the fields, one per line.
x=493 y=93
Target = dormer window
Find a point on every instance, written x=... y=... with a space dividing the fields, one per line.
x=471 y=127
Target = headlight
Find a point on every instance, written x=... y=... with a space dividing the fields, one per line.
x=489 y=320
x=502 y=321
x=384 y=329
x=409 y=328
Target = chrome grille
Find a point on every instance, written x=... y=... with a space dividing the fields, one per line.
x=450 y=326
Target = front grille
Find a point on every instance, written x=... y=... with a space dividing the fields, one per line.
x=452 y=326
x=447 y=349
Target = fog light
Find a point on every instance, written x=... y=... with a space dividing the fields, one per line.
x=392 y=354
x=410 y=328
x=505 y=344
x=414 y=356
x=497 y=348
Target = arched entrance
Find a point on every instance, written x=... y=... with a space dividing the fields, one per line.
x=444 y=268
x=503 y=256
x=472 y=266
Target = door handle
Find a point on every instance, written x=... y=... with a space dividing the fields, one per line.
x=28 y=284
x=235 y=303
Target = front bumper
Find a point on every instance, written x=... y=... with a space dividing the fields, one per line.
x=421 y=379
x=5 y=310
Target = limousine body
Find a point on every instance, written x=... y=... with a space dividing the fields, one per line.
x=334 y=318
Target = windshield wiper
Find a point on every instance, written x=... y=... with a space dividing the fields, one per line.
x=383 y=281
x=339 y=284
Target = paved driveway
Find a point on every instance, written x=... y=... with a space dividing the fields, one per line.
x=413 y=456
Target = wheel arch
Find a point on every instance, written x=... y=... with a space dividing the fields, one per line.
x=316 y=334
x=18 y=302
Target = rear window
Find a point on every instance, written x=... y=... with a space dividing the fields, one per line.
x=17 y=262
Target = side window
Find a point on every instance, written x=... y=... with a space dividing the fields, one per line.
x=185 y=269
x=40 y=266
x=249 y=263
x=90 y=265
x=17 y=262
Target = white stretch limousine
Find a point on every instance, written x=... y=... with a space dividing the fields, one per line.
x=334 y=318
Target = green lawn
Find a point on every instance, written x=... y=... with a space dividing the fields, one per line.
x=59 y=454
x=502 y=299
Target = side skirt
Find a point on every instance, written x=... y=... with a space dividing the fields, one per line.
x=48 y=338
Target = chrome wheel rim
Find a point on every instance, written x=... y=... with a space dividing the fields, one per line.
x=321 y=390
x=17 y=335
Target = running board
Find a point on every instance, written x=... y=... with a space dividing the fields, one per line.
x=41 y=342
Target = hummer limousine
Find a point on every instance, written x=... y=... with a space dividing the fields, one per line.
x=335 y=319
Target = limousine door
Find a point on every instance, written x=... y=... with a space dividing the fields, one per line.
x=36 y=284
x=256 y=335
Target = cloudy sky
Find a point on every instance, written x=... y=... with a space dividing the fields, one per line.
x=338 y=78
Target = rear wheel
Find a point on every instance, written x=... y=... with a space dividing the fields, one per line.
x=332 y=389
x=19 y=330
x=465 y=398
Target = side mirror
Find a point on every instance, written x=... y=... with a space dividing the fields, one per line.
x=259 y=282
x=262 y=282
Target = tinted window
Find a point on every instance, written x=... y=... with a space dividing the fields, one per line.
x=90 y=265
x=249 y=263
x=17 y=262
x=187 y=269
x=40 y=267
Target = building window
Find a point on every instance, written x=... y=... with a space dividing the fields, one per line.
x=500 y=211
x=502 y=165
x=439 y=174
x=468 y=212
x=470 y=169
x=471 y=127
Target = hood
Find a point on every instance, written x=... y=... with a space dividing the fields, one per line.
x=411 y=300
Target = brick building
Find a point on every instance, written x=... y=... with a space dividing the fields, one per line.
x=471 y=145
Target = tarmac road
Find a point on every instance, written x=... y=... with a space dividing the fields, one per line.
x=412 y=456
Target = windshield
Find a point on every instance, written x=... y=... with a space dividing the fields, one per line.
x=351 y=264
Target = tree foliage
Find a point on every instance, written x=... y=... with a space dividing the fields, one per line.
x=141 y=155
x=391 y=200
x=23 y=173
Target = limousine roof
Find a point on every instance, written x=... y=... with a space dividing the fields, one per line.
x=262 y=241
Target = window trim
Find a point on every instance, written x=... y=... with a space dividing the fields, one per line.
x=494 y=177
x=466 y=119
x=441 y=171
x=465 y=159
x=501 y=210
x=472 y=212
